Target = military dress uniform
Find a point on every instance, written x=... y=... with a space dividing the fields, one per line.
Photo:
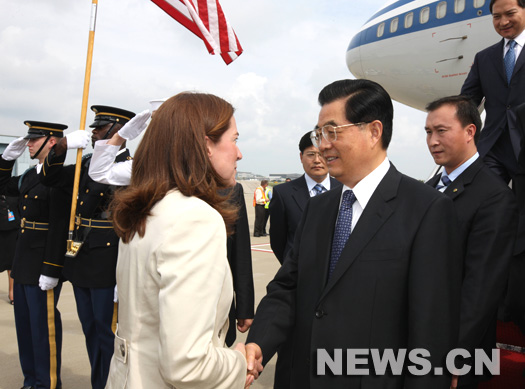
x=40 y=248
x=92 y=270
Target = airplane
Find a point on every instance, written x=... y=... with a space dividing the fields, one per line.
x=421 y=50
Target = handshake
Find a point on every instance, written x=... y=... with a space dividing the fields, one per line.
x=254 y=359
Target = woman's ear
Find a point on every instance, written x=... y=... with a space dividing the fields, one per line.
x=208 y=146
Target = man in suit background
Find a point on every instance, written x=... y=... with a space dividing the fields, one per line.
x=393 y=283
x=498 y=76
x=487 y=217
x=286 y=208
x=289 y=199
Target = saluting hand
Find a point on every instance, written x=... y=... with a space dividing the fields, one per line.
x=14 y=149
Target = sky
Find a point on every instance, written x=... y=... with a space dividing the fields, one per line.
x=292 y=49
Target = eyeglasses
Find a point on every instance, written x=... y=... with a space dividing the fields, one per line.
x=329 y=133
x=313 y=154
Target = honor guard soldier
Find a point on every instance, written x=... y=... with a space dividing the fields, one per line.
x=39 y=257
x=90 y=264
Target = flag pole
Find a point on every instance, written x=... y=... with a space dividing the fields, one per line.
x=73 y=247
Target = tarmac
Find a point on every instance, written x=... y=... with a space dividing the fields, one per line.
x=75 y=363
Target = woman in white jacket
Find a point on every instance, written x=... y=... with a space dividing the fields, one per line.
x=174 y=282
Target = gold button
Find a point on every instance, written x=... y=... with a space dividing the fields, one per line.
x=25 y=197
x=22 y=231
x=24 y=208
x=108 y=244
x=81 y=202
x=36 y=197
x=102 y=194
x=87 y=190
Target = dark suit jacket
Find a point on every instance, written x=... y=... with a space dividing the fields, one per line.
x=240 y=259
x=516 y=289
x=286 y=208
x=487 y=79
x=394 y=286
x=487 y=217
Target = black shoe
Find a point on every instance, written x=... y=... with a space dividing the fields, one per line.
x=256 y=235
x=27 y=387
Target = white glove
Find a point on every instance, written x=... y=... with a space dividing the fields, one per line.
x=78 y=139
x=47 y=283
x=135 y=126
x=115 y=295
x=15 y=149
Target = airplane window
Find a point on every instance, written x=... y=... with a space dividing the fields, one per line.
x=459 y=6
x=380 y=30
x=441 y=10
x=424 y=15
x=409 y=19
x=393 y=24
x=479 y=3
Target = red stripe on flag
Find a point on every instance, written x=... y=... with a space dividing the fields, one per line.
x=208 y=22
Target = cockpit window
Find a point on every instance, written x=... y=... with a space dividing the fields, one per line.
x=459 y=6
x=441 y=10
x=424 y=15
x=409 y=19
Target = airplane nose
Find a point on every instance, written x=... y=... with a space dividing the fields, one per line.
x=353 y=56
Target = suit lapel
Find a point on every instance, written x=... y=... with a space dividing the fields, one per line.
x=300 y=193
x=375 y=214
x=328 y=205
x=496 y=55
x=519 y=62
x=457 y=186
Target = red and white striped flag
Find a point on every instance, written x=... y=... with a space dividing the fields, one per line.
x=206 y=20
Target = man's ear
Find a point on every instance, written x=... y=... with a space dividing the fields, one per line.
x=471 y=131
x=376 y=131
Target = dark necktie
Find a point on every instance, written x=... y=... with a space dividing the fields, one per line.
x=510 y=60
x=318 y=189
x=446 y=182
x=343 y=227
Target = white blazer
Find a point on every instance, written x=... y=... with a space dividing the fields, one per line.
x=175 y=291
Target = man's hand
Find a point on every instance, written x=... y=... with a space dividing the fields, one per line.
x=135 y=126
x=78 y=139
x=244 y=325
x=15 y=149
x=254 y=359
x=47 y=283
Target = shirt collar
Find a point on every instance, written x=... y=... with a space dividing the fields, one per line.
x=455 y=173
x=520 y=40
x=310 y=183
x=365 y=188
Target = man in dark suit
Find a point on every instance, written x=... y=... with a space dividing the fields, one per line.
x=487 y=216
x=392 y=284
x=39 y=257
x=289 y=199
x=240 y=259
x=91 y=269
x=498 y=75
x=286 y=208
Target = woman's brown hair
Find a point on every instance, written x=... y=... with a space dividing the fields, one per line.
x=173 y=154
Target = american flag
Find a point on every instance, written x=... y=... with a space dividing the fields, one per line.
x=206 y=20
